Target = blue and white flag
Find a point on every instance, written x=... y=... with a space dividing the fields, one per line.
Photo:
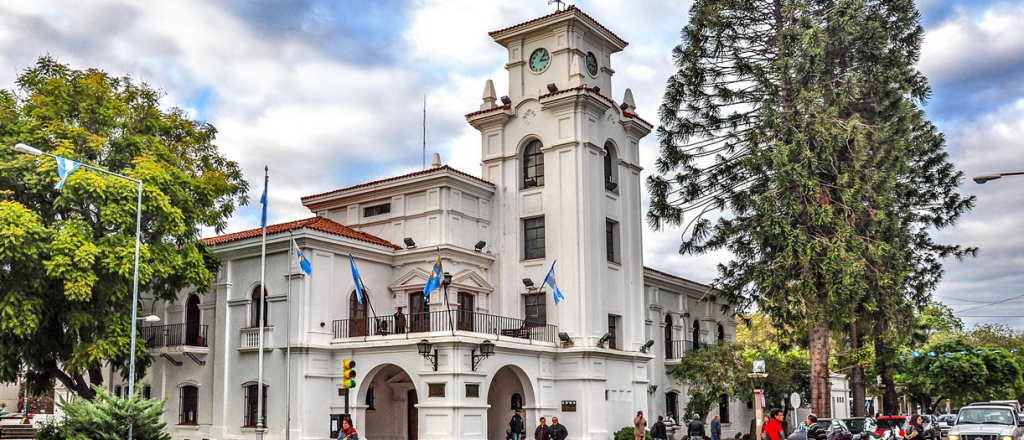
x=65 y=167
x=550 y=280
x=435 y=278
x=263 y=200
x=357 y=279
x=303 y=262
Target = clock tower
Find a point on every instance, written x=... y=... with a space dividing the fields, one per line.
x=564 y=156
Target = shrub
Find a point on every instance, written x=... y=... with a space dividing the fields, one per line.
x=107 y=417
x=627 y=434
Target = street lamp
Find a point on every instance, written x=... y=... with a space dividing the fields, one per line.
x=760 y=372
x=982 y=178
x=22 y=148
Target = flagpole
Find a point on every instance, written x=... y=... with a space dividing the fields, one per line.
x=288 y=347
x=263 y=309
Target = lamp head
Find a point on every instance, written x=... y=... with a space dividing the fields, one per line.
x=487 y=348
x=423 y=347
x=480 y=245
x=552 y=88
x=22 y=148
x=527 y=282
x=982 y=178
x=151 y=318
x=409 y=244
x=447 y=279
x=506 y=100
x=604 y=339
x=649 y=343
x=564 y=337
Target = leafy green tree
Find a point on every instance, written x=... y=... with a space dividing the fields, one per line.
x=710 y=373
x=67 y=257
x=961 y=371
x=802 y=119
x=108 y=417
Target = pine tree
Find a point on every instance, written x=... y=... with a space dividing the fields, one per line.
x=805 y=124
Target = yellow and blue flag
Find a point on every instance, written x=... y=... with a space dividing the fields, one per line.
x=303 y=262
x=64 y=168
x=435 y=278
x=357 y=279
x=550 y=280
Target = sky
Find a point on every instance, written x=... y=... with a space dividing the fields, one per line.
x=331 y=94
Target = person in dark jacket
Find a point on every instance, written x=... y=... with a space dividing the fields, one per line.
x=695 y=429
x=557 y=430
x=542 y=432
x=716 y=428
x=814 y=431
x=658 y=430
x=517 y=426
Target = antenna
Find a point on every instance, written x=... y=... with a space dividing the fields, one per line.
x=559 y=5
x=424 y=131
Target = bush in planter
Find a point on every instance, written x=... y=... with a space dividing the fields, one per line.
x=627 y=434
x=107 y=417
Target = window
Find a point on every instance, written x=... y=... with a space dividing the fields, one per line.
x=610 y=182
x=611 y=240
x=371 y=211
x=668 y=337
x=533 y=165
x=672 y=403
x=721 y=333
x=696 y=334
x=254 y=308
x=188 y=410
x=147 y=392
x=516 y=401
x=472 y=390
x=723 y=408
x=251 y=406
x=370 y=398
x=533 y=242
x=612 y=329
x=535 y=309
x=193 y=322
x=117 y=391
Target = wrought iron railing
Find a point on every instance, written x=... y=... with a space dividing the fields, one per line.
x=676 y=349
x=443 y=321
x=174 y=335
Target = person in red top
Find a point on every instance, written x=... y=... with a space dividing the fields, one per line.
x=774 y=427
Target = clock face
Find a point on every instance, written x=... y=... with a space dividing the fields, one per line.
x=539 y=60
x=591 y=64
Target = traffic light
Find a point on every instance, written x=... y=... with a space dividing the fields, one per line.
x=348 y=373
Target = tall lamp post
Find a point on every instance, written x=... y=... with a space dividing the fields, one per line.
x=757 y=377
x=135 y=282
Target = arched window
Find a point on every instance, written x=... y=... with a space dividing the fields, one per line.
x=668 y=337
x=251 y=405
x=610 y=181
x=192 y=321
x=696 y=334
x=259 y=299
x=721 y=333
x=533 y=165
x=517 y=401
x=188 y=410
x=357 y=316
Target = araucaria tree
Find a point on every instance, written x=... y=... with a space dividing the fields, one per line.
x=802 y=119
x=67 y=256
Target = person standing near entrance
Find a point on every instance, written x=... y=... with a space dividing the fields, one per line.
x=399 y=321
x=639 y=426
x=557 y=430
x=517 y=426
x=658 y=429
x=716 y=428
x=541 y=433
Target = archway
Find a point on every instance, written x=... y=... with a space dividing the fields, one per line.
x=508 y=390
x=389 y=412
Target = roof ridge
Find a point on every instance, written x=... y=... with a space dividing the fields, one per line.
x=317 y=223
x=395 y=178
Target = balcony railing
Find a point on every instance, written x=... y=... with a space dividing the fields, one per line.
x=677 y=348
x=443 y=321
x=174 y=335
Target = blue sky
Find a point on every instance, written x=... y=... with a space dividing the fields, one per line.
x=330 y=94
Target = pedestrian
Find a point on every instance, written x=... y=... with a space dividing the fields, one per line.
x=639 y=426
x=658 y=430
x=716 y=428
x=542 y=431
x=695 y=429
x=815 y=431
x=774 y=428
x=670 y=420
x=399 y=321
x=557 y=430
x=914 y=427
x=347 y=431
x=764 y=427
x=517 y=426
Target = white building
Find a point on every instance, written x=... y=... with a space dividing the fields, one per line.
x=560 y=180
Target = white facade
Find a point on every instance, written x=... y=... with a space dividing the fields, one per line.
x=581 y=208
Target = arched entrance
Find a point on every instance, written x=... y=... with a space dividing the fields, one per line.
x=506 y=393
x=390 y=404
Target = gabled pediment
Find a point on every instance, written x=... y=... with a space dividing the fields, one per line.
x=466 y=279
x=414 y=277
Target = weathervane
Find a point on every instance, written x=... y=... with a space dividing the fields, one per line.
x=559 y=4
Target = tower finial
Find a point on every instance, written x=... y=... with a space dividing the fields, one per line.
x=559 y=5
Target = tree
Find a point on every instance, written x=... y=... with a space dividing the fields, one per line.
x=787 y=366
x=67 y=256
x=961 y=371
x=108 y=417
x=804 y=123
x=709 y=374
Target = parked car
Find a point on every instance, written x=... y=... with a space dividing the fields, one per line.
x=930 y=425
x=862 y=428
x=896 y=424
x=987 y=421
x=835 y=429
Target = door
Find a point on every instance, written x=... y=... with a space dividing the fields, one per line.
x=356 y=316
x=419 y=312
x=467 y=305
x=192 y=322
x=413 y=415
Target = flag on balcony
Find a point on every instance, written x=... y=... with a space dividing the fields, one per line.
x=64 y=168
x=435 y=278
x=550 y=280
x=356 y=279
x=303 y=262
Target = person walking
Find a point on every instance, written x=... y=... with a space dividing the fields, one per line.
x=774 y=428
x=347 y=431
x=399 y=321
x=543 y=430
x=915 y=427
x=557 y=430
x=658 y=430
x=639 y=426
x=670 y=420
x=716 y=428
x=695 y=429
x=815 y=431
x=517 y=426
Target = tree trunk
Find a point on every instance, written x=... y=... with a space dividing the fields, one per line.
x=883 y=363
x=821 y=388
x=857 y=390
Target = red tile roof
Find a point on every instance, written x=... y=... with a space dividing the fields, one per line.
x=488 y=110
x=316 y=223
x=634 y=116
x=570 y=9
x=406 y=176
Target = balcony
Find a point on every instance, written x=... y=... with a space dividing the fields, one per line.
x=174 y=335
x=677 y=348
x=444 y=321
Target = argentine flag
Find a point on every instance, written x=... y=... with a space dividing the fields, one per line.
x=550 y=280
x=303 y=262
x=435 y=279
x=65 y=167
x=356 y=278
